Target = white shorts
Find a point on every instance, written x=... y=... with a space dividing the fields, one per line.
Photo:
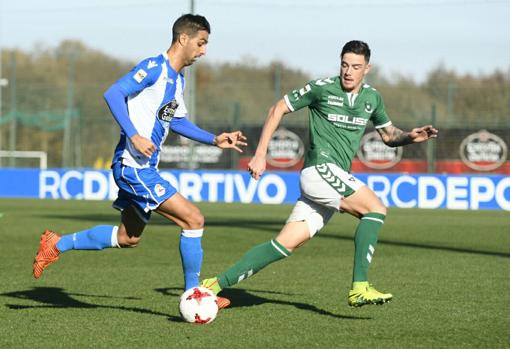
x=322 y=189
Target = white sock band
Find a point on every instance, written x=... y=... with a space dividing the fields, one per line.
x=115 y=241
x=192 y=233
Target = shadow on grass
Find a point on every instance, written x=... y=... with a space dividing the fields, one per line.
x=237 y=224
x=55 y=297
x=247 y=298
x=422 y=246
x=274 y=225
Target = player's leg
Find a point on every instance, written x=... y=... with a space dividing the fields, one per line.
x=365 y=205
x=260 y=256
x=151 y=192
x=128 y=234
x=132 y=224
x=95 y=238
x=306 y=219
x=191 y=221
x=131 y=194
x=256 y=259
x=350 y=195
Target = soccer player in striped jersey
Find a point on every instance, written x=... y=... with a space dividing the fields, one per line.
x=147 y=103
x=339 y=110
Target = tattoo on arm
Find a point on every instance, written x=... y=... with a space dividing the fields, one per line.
x=394 y=137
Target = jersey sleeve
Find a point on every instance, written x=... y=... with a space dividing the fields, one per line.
x=143 y=75
x=186 y=128
x=379 y=117
x=303 y=97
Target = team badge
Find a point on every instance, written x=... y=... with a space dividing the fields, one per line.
x=159 y=190
x=166 y=112
x=368 y=108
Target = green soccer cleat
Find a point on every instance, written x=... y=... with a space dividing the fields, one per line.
x=213 y=285
x=363 y=293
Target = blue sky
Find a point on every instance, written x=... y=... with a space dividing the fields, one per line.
x=407 y=37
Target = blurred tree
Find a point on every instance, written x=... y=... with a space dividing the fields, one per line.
x=228 y=95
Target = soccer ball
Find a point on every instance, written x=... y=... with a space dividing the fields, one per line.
x=198 y=305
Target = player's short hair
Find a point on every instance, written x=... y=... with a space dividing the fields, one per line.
x=358 y=47
x=189 y=24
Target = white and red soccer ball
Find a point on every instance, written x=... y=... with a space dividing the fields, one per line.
x=198 y=305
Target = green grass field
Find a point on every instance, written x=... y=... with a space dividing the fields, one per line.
x=448 y=272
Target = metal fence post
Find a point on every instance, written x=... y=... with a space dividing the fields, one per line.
x=13 y=127
x=431 y=144
x=236 y=118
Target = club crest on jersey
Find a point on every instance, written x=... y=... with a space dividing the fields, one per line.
x=368 y=108
x=166 y=112
x=140 y=75
x=159 y=189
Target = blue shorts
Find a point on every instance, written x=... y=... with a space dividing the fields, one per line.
x=142 y=188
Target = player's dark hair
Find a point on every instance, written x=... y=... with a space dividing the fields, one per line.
x=189 y=24
x=358 y=47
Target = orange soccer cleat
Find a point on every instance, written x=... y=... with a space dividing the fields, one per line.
x=222 y=302
x=214 y=286
x=47 y=253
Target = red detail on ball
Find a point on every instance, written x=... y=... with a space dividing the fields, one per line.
x=199 y=320
x=197 y=295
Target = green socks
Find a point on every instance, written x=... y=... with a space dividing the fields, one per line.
x=365 y=241
x=254 y=260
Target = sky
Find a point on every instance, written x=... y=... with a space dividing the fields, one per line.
x=407 y=37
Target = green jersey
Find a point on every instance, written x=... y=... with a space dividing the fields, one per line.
x=337 y=119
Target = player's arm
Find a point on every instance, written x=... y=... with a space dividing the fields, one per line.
x=257 y=165
x=291 y=102
x=186 y=128
x=116 y=96
x=394 y=137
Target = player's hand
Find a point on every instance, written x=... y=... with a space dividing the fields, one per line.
x=257 y=166
x=422 y=134
x=230 y=140
x=143 y=145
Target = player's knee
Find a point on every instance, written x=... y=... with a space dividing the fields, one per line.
x=294 y=235
x=316 y=221
x=375 y=206
x=379 y=208
x=195 y=220
x=291 y=246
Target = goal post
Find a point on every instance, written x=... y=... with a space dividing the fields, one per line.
x=41 y=155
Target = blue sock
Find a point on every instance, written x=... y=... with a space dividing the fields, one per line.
x=191 y=256
x=95 y=238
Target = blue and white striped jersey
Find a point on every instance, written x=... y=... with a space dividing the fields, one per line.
x=155 y=96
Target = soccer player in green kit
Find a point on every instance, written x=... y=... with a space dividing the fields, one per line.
x=339 y=110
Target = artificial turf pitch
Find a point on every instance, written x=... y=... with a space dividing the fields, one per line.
x=448 y=272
